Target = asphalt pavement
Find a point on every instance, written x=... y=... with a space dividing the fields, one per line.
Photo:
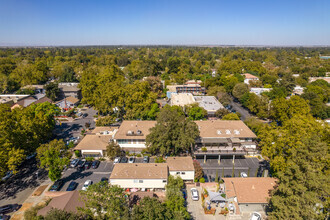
x=240 y=109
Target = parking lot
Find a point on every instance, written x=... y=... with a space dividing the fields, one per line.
x=104 y=170
x=250 y=165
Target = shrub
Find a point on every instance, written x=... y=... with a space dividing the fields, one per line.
x=259 y=157
x=234 y=149
x=138 y=155
x=202 y=180
x=89 y=158
x=77 y=153
x=206 y=192
x=196 y=180
x=204 y=149
x=101 y=159
x=223 y=195
x=159 y=160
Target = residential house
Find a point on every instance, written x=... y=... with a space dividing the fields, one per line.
x=181 y=166
x=131 y=135
x=11 y=99
x=312 y=79
x=249 y=78
x=139 y=175
x=24 y=102
x=36 y=88
x=251 y=193
x=93 y=145
x=69 y=202
x=224 y=138
x=67 y=103
x=258 y=91
x=69 y=89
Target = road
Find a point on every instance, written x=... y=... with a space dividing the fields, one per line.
x=21 y=185
x=239 y=108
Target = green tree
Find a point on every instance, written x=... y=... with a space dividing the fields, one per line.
x=113 y=150
x=173 y=133
x=230 y=116
x=221 y=112
x=52 y=91
x=174 y=198
x=53 y=157
x=150 y=208
x=194 y=112
x=59 y=214
x=240 y=89
x=105 y=201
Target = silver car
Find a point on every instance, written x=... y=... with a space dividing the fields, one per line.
x=194 y=194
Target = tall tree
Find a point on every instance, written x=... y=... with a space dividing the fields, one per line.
x=150 y=208
x=105 y=201
x=52 y=91
x=54 y=158
x=173 y=132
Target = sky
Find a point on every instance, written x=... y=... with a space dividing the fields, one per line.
x=164 y=22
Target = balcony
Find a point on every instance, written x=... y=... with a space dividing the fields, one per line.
x=221 y=151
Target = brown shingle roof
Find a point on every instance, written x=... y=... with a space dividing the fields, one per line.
x=43 y=99
x=94 y=142
x=224 y=129
x=71 y=99
x=251 y=189
x=134 y=126
x=97 y=130
x=250 y=76
x=67 y=202
x=180 y=164
x=139 y=171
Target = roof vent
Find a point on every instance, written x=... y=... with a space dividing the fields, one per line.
x=236 y=132
x=139 y=132
x=218 y=132
x=228 y=132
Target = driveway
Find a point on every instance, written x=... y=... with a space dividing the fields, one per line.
x=71 y=174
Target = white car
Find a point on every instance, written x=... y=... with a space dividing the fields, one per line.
x=87 y=184
x=117 y=160
x=244 y=175
x=131 y=160
x=194 y=194
x=255 y=216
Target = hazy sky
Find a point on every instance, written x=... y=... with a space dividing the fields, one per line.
x=100 y=22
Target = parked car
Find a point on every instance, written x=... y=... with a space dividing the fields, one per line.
x=117 y=160
x=255 y=216
x=131 y=160
x=31 y=156
x=145 y=159
x=73 y=139
x=7 y=176
x=81 y=164
x=74 y=163
x=72 y=186
x=194 y=194
x=4 y=217
x=9 y=208
x=57 y=185
x=104 y=179
x=231 y=207
x=87 y=184
x=124 y=160
x=244 y=175
x=88 y=165
x=79 y=114
x=85 y=115
x=95 y=164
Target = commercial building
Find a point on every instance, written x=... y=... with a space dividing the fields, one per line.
x=209 y=103
x=68 y=89
x=224 y=138
x=131 y=135
x=251 y=193
x=193 y=88
x=140 y=175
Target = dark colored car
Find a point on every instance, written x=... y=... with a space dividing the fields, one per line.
x=9 y=208
x=124 y=160
x=81 y=165
x=72 y=186
x=88 y=165
x=57 y=185
x=104 y=179
x=145 y=159
x=95 y=164
x=4 y=217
